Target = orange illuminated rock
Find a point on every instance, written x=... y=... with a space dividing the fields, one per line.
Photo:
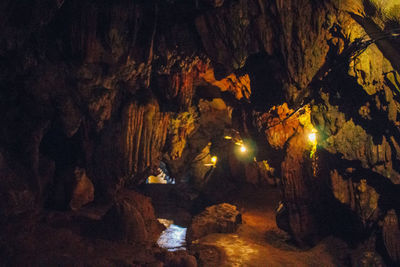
x=238 y=86
x=281 y=122
x=297 y=192
x=289 y=129
x=144 y=134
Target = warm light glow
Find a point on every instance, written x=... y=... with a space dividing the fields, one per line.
x=243 y=149
x=228 y=137
x=156 y=180
x=312 y=137
x=214 y=159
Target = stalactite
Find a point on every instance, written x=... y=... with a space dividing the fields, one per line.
x=145 y=130
x=181 y=84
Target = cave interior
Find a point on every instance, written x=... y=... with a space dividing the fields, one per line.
x=200 y=133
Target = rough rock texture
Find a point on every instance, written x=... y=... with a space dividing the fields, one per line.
x=72 y=190
x=208 y=255
x=114 y=87
x=203 y=142
x=131 y=219
x=222 y=218
x=356 y=120
x=260 y=173
x=83 y=191
x=343 y=62
x=391 y=235
x=179 y=258
x=144 y=206
x=286 y=129
x=16 y=198
x=125 y=223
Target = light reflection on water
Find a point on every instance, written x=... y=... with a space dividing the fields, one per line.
x=174 y=237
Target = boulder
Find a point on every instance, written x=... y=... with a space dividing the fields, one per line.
x=82 y=191
x=131 y=219
x=145 y=208
x=123 y=222
x=222 y=218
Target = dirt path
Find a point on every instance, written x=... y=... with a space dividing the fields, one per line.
x=258 y=241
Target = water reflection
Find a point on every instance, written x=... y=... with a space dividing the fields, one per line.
x=172 y=238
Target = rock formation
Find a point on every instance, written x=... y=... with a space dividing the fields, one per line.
x=94 y=94
x=222 y=218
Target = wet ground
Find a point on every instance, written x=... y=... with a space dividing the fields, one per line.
x=174 y=237
x=258 y=241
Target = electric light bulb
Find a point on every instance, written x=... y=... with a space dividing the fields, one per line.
x=243 y=149
x=312 y=137
x=214 y=159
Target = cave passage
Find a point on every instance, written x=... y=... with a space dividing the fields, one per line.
x=200 y=133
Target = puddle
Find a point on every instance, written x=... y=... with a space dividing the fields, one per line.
x=174 y=237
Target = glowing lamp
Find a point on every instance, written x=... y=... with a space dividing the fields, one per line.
x=214 y=159
x=228 y=137
x=243 y=149
x=312 y=137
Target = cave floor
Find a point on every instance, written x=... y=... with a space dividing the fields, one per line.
x=47 y=244
x=69 y=238
x=259 y=242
